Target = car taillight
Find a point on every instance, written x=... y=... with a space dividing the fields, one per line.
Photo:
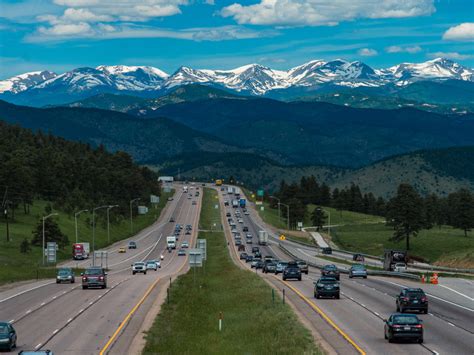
x=424 y=299
x=84 y=278
x=418 y=326
x=397 y=326
x=101 y=278
x=405 y=299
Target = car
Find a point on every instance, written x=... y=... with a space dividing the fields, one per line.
x=403 y=326
x=413 y=299
x=249 y=258
x=303 y=266
x=331 y=271
x=243 y=256
x=254 y=263
x=245 y=229
x=132 y=245
x=400 y=267
x=36 y=352
x=226 y=203
x=188 y=232
x=94 y=277
x=65 y=275
x=194 y=203
x=190 y=197
x=326 y=250
x=255 y=250
x=238 y=242
x=151 y=265
x=240 y=220
x=270 y=267
x=189 y=227
x=172 y=220
x=257 y=255
x=181 y=252
x=241 y=247
x=260 y=264
x=122 y=250
x=292 y=271
x=268 y=258
x=280 y=267
x=170 y=198
x=249 y=240
x=246 y=213
x=139 y=267
x=228 y=214
x=7 y=336
x=358 y=270
x=358 y=257
x=326 y=287
x=185 y=244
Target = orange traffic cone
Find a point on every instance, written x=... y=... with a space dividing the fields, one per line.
x=423 y=278
x=434 y=279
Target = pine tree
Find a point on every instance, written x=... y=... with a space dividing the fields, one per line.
x=464 y=211
x=318 y=217
x=52 y=233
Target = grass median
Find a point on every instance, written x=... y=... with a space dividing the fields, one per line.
x=252 y=322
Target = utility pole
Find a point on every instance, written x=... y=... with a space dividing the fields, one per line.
x=131 y=213
x=44 y=241
x=93 y=232
x=279 y=210
x=75 y=222
x=6 y=218
x=108 y=222
x=287 y=214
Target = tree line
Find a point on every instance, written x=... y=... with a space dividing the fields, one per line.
x=407 y=212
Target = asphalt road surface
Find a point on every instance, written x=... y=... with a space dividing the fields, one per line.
x=68 y=320
x=354 y=323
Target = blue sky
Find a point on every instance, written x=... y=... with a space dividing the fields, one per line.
x=60 y=35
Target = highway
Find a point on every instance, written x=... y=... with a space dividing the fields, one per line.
x=68 y=320
x=354 y=324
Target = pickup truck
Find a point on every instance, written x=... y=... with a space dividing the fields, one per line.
x=138 y=267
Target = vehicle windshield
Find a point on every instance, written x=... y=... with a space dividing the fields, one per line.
x=150 y=262
x=3 y=329
x=327 y=281
x=139 y=263
x=282 y=264
x=415 y=293
x=405 y=319
x=400 y=264
x=358 y=267
x=93 y=272
x=64 y=272
x=330 y=267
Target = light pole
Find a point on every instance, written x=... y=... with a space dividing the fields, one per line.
x=287 y=213
x=108 y=222
x=44 y=242
x=279 y=211
x=329 y=220
x=75 y=221
x=93 y=232
x=131 y=213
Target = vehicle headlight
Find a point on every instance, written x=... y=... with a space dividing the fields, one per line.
x=69 y=277
x=4 y=340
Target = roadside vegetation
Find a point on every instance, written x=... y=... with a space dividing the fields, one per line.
x=17 y=265
x=252 y=323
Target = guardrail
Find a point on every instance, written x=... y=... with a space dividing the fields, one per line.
x=441 y=268
x=404 y=275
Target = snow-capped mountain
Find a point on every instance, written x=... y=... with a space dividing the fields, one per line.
x=24 y=81
x=252 y=79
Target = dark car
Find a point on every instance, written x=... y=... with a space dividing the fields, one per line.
x=270 y=267
x=65 y=275
x=7 y=336
x=238 y=242
x=303 y=266
x=241 y=247
x=94 y=277
x=181 y=252
x=403 y=326
x=255 y=250
x=292 y=271
x=331 y=271
x=249 y=258
x=257 y=255
x=259 y=264
x=326 y=287
x=358 y=257
x=172 y=220
x=228 y=214
x=243 y=256
x=413 y=299
x=132 y=245
x=245 y=229
x=327 y=250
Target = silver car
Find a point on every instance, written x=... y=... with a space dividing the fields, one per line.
x=280 y=267
x=358 y=270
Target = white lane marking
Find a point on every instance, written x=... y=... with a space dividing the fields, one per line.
x=42 y=304
x=459 y=293
x=69 y=320
x=81 y=310
x=25 y=291
x=436 y=297
x=11 y=321
x=54 y=297
x=28 y=311
x=451 y=324
x=55 y=331
x=38 y=346
x=363 y=305
x=377 y=314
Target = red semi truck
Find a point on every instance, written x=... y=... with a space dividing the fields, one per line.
x=80 y=251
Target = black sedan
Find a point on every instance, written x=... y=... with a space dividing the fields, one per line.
x=326 y=287
x=403 y=327
x=330 y=271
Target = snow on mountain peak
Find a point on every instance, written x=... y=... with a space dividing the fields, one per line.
x=24 y=81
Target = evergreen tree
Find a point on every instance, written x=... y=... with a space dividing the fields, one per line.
x=52 y=233
x=25 y=246
x=318 y=217
x=405 y=214
x=297 y=211
x=464 y=211
x=325 y=195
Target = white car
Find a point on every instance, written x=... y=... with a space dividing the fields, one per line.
x=184 y=244
x=152 y=265
x=247 y=213
x=139 y=267
x=241 y=220
x=400 y=267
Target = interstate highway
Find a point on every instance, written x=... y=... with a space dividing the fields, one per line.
x=68 y=320
x=364 y=303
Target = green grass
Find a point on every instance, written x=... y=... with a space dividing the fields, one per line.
x=252 y=323
x=15 y=266
x=344 y=217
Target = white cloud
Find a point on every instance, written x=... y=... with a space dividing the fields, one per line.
x=401 y=49
x=462 y=32
x=451 y=55
x=61 y=32
x=367 y=52
x=324 y=12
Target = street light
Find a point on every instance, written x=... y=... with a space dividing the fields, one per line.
x=44 y=219
x=131 y=213
x=279 y=212
x=75 y=221
x=93 y=232
x=329 y=220
x=287 y=213
x=108 y=222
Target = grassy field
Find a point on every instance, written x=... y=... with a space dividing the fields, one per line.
x=15 y=266
x=252 y=323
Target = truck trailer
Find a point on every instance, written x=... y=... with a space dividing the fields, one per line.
x=392 y=257
x=80 y=251
x=242 y=203
x=171 y=242
x=262 y=237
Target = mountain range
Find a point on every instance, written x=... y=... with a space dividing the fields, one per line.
x=43 y=88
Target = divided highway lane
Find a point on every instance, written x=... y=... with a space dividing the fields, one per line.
x=365 y=303
x=82 y=321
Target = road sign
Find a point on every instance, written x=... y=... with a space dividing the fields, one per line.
x=300 y=225
x=262 y=208
x=201 y=244
x=282 y=237
x=260 y=193
x=51 y=248
x=195 y=257
x=154 y=199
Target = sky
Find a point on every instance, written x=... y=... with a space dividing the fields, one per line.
x=60 y=35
